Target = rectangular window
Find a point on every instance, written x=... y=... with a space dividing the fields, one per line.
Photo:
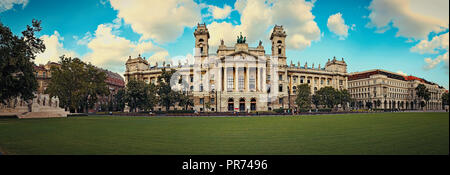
x=280 y=77
x=202 y=100
x=341 y=82
x=280 y=88
x=280 y=101
x=230 y=83
x=321 y=81
x=301 y=80
x=212 y=100
x=192 y=78
x=241 y=82
x=252 y=83
x=268 y=77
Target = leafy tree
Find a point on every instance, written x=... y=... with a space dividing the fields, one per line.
x=94 y=85
x=378 y=103
x=167 y=96
x=208 y=105
x=369 y=104
x=327 y=96
x=315 y=100
x=150 y=99
x=76 y=84
x=344 y=98
x=134 y=95
x=444 y=98
x=16 y=62
x=304 y=98
x=423 y=93
x=119 y=99
x=186 y=100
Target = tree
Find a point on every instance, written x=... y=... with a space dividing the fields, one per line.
x=167 y=96
x=378 y=103
x=369 y=105
x=315 y=100
x=94 y=85
x=135 y=94
x=16 y=62
x=185 y=100
x=445 y=100
x=119 y=99
x=423 y=93
x=76 y=84
x=344 y=98
x=327 y=96
x=304 y=98
x=150 y=99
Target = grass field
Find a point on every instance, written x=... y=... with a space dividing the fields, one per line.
x=381 y=133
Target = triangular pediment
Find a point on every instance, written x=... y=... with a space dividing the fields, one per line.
x=243 y=54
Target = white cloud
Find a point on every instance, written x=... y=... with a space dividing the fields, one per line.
x=83 y=41
x=413 y=18
x=219 y=13
x=8 y=4
x=162 y=21
x=259 y=16
x=437 y=43
x=111 y=51
x=336 y=24
x=432 y=63
x=239 y=5
x=53 y=49
x=402 y=73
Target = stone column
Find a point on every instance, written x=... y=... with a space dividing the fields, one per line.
x=218 y=79
x=236 y=85
x=225 y=78
x=257 y=79
x=263 y=78
x=247 y=79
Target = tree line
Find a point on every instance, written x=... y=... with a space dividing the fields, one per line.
x=139 y=95
x=326 y=97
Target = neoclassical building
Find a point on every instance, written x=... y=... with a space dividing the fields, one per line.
x=393 y=90
x=241 y=77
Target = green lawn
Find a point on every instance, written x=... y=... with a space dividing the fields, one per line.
x=382 y=133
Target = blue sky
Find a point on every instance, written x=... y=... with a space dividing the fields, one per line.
x=405 y=36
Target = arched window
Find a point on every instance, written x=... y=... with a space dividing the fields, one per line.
x=279 y=51
x=242 y=105
x=294 y=89
x=279 y=42
x=201 y=40
x=230 y=104
x=253 y=104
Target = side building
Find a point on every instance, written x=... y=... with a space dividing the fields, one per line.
x=383 y=89
x=113 y=80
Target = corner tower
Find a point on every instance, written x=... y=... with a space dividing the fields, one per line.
x=201 y=40
x=278 y=38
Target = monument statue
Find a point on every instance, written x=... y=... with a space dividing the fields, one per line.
x=241 y=39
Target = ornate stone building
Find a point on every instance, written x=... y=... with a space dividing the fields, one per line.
x=393 y=90
x=240 y=77
x=113 y=80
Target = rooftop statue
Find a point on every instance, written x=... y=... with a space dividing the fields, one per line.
x=241 y=39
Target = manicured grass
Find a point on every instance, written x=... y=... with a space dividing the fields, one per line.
x=381 y=133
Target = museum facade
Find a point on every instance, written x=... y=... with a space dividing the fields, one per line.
x=239 y=77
